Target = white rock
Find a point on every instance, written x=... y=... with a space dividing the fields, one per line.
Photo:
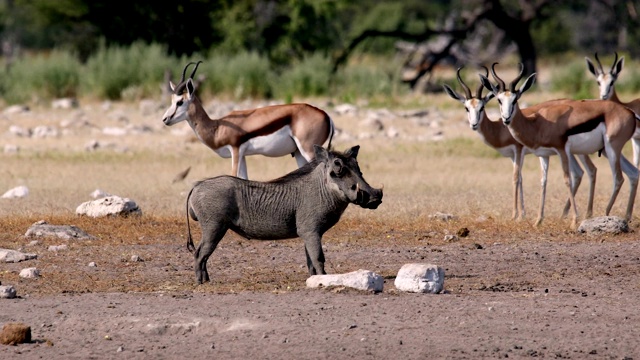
x=30 y=273
x=64 y=103
x=7 y=292
x=110 y=205
x=422 y=278
x=66 y=232
x=11 y=149
x=114 y=131
x=44 y=131
x=16 y=192
x=57 y=248
x=344 y=109
x=361 y=280
x=19 y=131
x=92 y=264
x=603 y=224
x=13 y=256
x=16 y=109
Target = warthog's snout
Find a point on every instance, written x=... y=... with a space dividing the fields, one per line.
x=370 y=198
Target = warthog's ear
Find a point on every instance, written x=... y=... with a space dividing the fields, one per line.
x=321 y=153
x=353 y=152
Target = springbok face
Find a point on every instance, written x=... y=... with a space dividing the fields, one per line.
x=474 y=105
x=181 y=96
x=606 y=80
x=507 y=98
x=344 y=176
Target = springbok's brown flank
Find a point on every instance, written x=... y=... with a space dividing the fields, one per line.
x=273 y=131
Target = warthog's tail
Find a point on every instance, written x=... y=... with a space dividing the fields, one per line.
x=190 y=245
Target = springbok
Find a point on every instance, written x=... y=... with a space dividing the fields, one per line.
x=574 y=126
x=606 y=84
x=498 y=136
x=272 y=131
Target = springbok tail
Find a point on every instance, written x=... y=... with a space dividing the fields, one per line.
x=634 y=113
x=332 y=129
x=190 y=245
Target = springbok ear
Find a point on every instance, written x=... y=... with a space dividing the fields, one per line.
x=452 y=93
x=619 y=66
x=321 y=154
x=489 y=96
x=487 y=84
x=353 y=152
x=172 y=86
x=527 y=83
x=590 y=67
x=191 y=87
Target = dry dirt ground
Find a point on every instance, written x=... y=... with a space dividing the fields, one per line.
x=511 y=289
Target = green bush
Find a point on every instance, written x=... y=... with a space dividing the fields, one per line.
x=572 y=80
x=242 y=75
x=137 y=69
x=43 y=76
x=308 y=78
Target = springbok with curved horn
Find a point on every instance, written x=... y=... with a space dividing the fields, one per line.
x=498 y=136
x=272 y=131
x=574 y=126
x=606 y=84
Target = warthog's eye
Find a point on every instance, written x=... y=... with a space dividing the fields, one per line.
x=354 y=187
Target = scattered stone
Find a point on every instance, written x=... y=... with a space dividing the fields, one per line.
x=44 y=131
x=33 y=243
x=136 y=258
x=360 y=279
x=66 y=232
x=19 y=131
x=92 y=264
x=7 y=292
x=15 y=193
x=109 y=206
x=64 y=103
x=344 y=109
x=442 y=216
x=451 y=238
x=15 y=333
x=16 y=109
x=114 y=131
x=56 y=248
x=422 y=278
x=603 y=225
x=13 y=256
x=10 y=149
x=92 y=145
x=30 y=273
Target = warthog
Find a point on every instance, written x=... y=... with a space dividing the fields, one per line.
x=304 y=203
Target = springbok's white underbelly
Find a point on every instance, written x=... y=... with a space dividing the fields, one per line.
x=588 y=142
x=279 y=143
x=507 y=151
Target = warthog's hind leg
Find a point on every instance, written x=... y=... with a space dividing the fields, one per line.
x=315 y=255
x=211 y=236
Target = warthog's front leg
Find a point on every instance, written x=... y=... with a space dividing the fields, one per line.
x=315 y=255
x=211 y=236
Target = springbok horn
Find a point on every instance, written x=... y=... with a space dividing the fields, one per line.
x=599 y=64
x=467 y=91
x=614 y=62
x=515 y=81
x=184 y=72
x=194 y=69
x=495 y=76
x=480 y=87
